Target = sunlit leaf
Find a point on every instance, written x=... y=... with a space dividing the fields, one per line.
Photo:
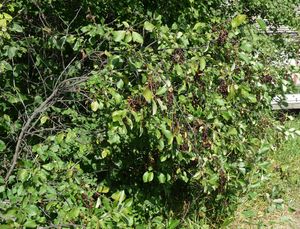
x=119 y=35
x=136 y=37
x=262 y=24
x=202 y=63
x=238 y=20
x=44 y=119
x=95 y=106
x=148 y=95
x=2 y=146
x=148 y=26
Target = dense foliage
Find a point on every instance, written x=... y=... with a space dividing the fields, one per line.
x=134 y=113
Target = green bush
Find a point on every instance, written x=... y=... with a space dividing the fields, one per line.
x=127 y=113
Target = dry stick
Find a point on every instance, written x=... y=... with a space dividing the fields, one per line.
x=39 y=110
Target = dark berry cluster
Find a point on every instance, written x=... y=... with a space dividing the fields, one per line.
x=223 y=88
x=205 y=140
x=136 y=103
x=267 y=79
x=170 y=98
x=223 y=37
x=178 y=56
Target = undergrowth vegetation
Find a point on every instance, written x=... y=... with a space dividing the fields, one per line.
x=135 y=114
x=275 y=202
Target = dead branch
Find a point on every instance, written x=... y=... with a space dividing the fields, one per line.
x=60 y=88
x=25 y=127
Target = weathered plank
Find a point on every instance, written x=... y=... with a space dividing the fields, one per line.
x=292 y=100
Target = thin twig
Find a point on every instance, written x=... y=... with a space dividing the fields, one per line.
x=24 y=129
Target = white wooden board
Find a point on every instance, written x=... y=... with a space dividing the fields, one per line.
x=293 y=101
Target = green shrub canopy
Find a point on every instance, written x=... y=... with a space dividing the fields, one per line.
x=115 y=114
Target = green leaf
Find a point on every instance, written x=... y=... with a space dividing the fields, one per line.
x=202 y=63
x=30 y=224
x=262 y=24
x=7 y=17
x=74 y=213
x=44 y=119
x=249 y=213
x=2 y=146
x=145 y=177
x=3 y=23
x=220 y=102
x=23 y=174
x=148 y=95
x=119 y=115
x=59 y=138
x=244 y=57
x=198 y=25
x=161 y=178
x=32 y=210
x=154 y=107
x=103 y=189
x=226 y=115
x=151 y=176
x=119 y=196
x=136 y=37
x=48 y=166
x=95 y=106
x=148 y=177
x=148 y=26
x=238 y=20
x=168 y=134
x=120 y=84
x=163 y=158
x=17 y=28
x=105 y=153
x=246 y=46
x=179 y=70
x=232 y=131
x=173 y=223
x=125 y=23
x=179 y=139
x=119 y=35
x=162 y=90
x=11 y=52
x=252 y=98
x=2 y=188
x=128 y=37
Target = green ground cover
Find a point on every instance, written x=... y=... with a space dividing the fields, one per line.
x=275 y=204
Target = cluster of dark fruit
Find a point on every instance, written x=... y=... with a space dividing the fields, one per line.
x=205 y=140
x=258 y=97
x=197 y=124
x=136 y=103
x=198 y=75
x=267 y=79
x=170 y=98
x=223 y=88
x=89 y=202
x=152 y=84
x=198 y=78
x=99 y=58
x=195 y=101
x=178 y=56
x=223 y=37
x=184 y=147
x=222 y=181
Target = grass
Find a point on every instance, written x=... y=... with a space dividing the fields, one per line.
x=276 y=203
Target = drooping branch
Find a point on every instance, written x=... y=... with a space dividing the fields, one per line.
x=65 y=85
x=43 y=106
